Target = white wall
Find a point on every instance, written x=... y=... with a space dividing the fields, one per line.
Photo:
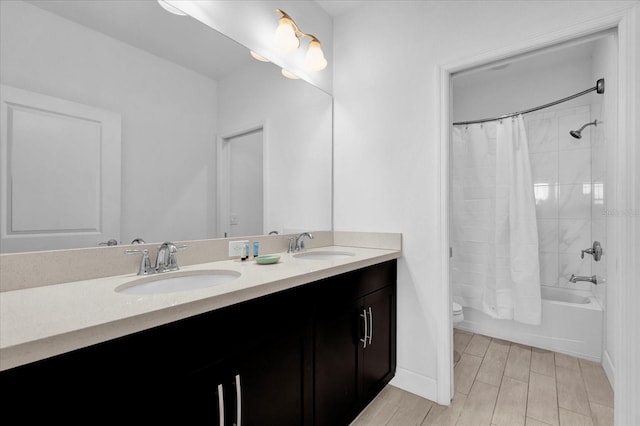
x=297 y=118
x=165 y=109
x=386 y=100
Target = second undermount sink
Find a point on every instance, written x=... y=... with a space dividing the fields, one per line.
x=324 y=255
x=178 y=281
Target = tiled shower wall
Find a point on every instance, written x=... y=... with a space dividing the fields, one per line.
x=569 y=192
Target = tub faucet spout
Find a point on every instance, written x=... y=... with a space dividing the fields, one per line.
x=575 y=278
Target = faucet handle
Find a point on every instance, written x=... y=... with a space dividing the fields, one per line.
x=595 y=251
x=145 y=263
x=292 y=244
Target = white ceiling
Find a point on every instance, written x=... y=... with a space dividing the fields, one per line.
x=145 y=25
x=339 y=7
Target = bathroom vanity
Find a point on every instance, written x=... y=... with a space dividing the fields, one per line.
x=312 y=347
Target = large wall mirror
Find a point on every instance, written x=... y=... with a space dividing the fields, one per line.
x=122 y=121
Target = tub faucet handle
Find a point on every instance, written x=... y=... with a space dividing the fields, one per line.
x=595 y=251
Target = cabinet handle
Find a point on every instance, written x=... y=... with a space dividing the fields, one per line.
x=366 y=332
x=238 y=401
x=370 y=325
x=221 y=404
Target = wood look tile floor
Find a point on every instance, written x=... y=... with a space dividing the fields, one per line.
x=504 y=384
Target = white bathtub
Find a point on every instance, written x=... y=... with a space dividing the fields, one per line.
x=571 y=324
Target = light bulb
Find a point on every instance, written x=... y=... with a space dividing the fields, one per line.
x=289 y=74
x=170 y=8
x=285 y=38
x=315 y=60
x=258 y=57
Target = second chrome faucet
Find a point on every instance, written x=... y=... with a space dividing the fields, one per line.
x=296 y=244
x=166 y=260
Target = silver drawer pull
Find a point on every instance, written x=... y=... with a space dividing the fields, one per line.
x=221 y=404
x=238 y=401
x=366 y=330
x=370 y=325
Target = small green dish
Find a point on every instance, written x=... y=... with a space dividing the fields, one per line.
x=267 y=259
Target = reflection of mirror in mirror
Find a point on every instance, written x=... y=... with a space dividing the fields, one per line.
x=180 y=91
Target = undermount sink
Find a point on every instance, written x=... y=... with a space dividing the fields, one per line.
x=178 y=281
x=324 y=255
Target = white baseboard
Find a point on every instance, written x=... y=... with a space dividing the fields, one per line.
x=415 y=383
x=609 y=369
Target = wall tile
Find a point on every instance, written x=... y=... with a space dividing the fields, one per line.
x=542 y=135
x=574 y=201
x=598 y=200
x=574 y=235
x=544 y=167
x=598 y=162
x=546 y=197
x=549 y=269
x=548 y=235
x=574 y=166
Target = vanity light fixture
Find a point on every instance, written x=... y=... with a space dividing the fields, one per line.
x=287 y=39
x=289 y=74
x=171 y=9
x=258 y=57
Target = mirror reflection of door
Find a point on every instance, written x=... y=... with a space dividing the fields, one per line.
x=245 y=184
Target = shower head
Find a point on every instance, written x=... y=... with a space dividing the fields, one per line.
x=578 y=133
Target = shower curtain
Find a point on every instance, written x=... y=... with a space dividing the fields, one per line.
x=494 y=236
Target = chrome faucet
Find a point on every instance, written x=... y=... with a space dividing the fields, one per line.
x=166 y=259
x=592 y=279
x=300 y=241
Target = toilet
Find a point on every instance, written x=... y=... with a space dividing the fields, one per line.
x=458 y=315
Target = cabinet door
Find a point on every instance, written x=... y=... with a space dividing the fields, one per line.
x=276 y=381
x=336 y=362
x=378 y=357
x=266 y=375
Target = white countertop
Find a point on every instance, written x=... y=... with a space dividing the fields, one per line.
x=40 y=322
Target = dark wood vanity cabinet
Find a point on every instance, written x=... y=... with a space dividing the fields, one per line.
x=265 y=377
x=296 y=357
x=355 y=341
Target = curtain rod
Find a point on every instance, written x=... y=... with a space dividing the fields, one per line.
x=599 y=88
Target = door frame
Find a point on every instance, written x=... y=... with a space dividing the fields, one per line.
x=623 y=231
x=223 y=159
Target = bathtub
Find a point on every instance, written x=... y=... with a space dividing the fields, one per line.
x=571 y=324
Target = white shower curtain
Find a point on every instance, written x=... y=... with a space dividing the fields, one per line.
x=494 y=236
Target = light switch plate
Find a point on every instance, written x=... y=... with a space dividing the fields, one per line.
x=235 y=248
